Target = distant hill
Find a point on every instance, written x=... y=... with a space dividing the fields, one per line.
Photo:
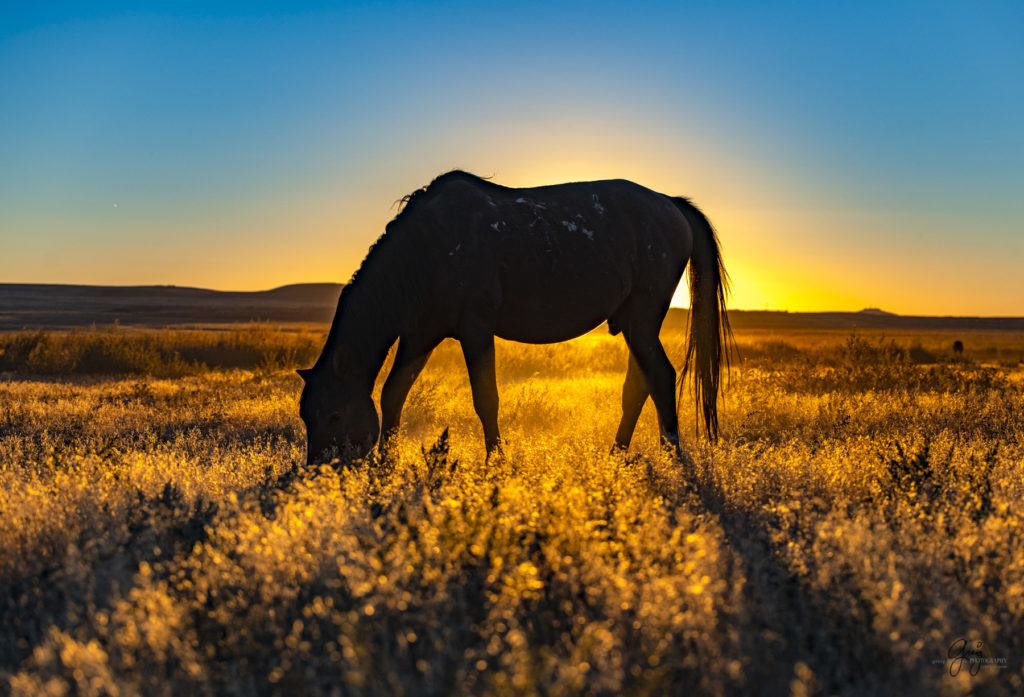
x=68 y=306
x=51 y=306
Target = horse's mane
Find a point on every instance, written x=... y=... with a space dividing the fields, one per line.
x=406 y=205
x=407 y=202
x=396 y=293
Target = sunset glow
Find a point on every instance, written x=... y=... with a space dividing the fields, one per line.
x=249 y=147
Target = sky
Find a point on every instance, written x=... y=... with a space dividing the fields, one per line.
x=851 y=155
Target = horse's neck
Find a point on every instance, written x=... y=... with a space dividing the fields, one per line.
x=366 y=325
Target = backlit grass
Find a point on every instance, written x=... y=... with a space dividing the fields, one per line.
x=160 y=534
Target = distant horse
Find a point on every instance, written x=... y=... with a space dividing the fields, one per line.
x=469 y=259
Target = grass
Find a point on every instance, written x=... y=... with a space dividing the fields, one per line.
x=160 y=534
x=166 y=353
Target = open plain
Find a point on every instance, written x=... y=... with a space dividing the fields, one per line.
x=856 y=530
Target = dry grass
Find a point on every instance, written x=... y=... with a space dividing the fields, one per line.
x=160 y=353
x=158 y=535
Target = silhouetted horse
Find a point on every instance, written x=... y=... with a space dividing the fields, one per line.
x=469 y=259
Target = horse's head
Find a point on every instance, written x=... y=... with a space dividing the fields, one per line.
x=338 y=418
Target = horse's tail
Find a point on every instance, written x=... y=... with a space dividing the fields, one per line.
x=710 y=335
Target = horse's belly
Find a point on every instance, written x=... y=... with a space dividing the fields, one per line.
x=546 y=332
x=558 y=303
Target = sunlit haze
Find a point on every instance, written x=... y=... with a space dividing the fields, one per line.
x=850 y=156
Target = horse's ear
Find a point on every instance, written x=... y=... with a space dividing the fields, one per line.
x=305 y=373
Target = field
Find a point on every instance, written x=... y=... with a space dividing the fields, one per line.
x=858 y=529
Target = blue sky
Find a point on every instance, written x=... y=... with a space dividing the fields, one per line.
x=850 y=154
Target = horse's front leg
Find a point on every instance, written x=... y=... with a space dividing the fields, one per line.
x=478 y=349
x=410 y=357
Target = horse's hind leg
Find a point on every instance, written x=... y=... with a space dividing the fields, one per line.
x=634 y=395
x=645 y=346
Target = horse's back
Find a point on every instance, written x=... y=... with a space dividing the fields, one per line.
x=553 y=262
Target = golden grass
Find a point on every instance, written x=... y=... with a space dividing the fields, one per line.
x=862 y=512
x=162 y=353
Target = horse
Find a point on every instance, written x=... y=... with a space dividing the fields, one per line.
x=469 y=259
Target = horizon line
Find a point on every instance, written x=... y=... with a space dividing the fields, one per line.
x=870 y=311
